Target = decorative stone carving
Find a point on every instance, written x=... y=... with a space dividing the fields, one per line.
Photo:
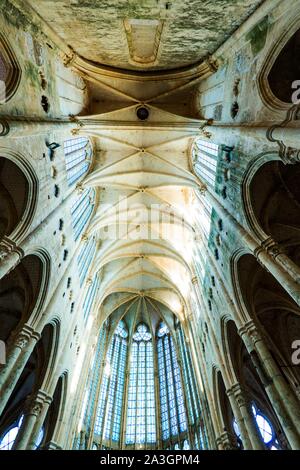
x=69 y=59
x=22 y=340
x=202 y=189
x=250 y=329
x=4 y=251
x=36 y=409
x=272 y=247
x=35 y=404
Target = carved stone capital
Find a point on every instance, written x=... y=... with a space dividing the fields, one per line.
x=251 y=331
x=35 y=404
x=271 y=247
x=289 y=155
x=4 y=252
x=8 y=246
x=22 y=340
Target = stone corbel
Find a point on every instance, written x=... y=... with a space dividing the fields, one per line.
x=69 y=59
x=206 y=134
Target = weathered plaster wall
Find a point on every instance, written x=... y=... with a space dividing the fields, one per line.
x=192 y=29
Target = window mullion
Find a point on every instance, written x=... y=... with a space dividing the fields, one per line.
x=167 y=387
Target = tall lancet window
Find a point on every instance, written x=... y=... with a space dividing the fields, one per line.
x=205 y=159
x=141 y=423
x=78 y=153
x=85 y=258
x=192 y=394
x=173 y=415
x=81 y=211
x=109 y=411
x=141 y=392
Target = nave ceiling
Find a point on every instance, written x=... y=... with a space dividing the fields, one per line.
x=142 y=173
x=150 y=54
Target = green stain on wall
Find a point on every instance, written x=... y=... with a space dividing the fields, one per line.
x=258 y=35
x=31 y=72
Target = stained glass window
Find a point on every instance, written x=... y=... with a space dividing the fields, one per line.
x=205 y=157
x=173 y=416
x=141 y=423
x=7 y=441
x=85 y=258
x=77 y=157
x=132 y=356
x=39 y=439
x=90 y=296
x=81 y=211
x=9 y=437
x=265 y=428
x=94 y=376
x=109 y=411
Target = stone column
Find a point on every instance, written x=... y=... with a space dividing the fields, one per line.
x=241 y=403
x=278 y=255
x=263 y=257
x=28 y=126
x=281 y=396
x=33 y=413
x=40 y=419
x=283 y=137
x=18 y=355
